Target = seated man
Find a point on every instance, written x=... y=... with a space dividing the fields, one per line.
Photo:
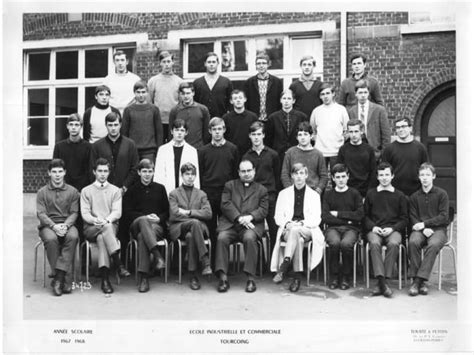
x=386 y=218
x=298 y=214
x=57 y=206
x=343 y=212
x=101 y=209
x=146 y=209
x=189 y=209
x=244 y=208
x=429 y=215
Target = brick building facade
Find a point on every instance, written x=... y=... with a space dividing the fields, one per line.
x=413 y=58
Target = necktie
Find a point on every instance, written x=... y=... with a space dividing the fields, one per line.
x=288 y=123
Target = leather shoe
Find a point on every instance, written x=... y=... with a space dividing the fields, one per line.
x=377 y=291
x=251 y=287
x=57 y=288
x=345 y=284
x=414 y=289
x=123 y=272
x=144 y=285
x=106 y=286
x=285 y=266
x=295 y=285
x=423 y=289
x=387 y=292
x=194 y=284
x=223 y=286
x=334 y=284
x=207 y=270
x=278 y=278
x=67 y=288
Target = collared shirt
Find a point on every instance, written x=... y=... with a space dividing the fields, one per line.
x=219 y=144
x=431 y=208
x=363 y=111
x=101 y=185
x=57 y=205
x=114 y=147
x=298 y=207
x=264 y=76
x=307 y=82
x=388 y=188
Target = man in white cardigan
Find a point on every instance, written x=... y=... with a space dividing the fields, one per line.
x=172 y=155
x=298 y=215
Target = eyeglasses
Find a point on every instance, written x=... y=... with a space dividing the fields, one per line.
x=402 y=126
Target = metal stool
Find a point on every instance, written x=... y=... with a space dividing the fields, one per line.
x=402 y=251
x=181 y=244
x=133 y=244
x=237 y=246
x=88 y=249
x=309 y=247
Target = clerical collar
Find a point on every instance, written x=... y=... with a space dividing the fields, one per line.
x=246 y=184
x=388 y=188
x=101 y=184
x=344 y=189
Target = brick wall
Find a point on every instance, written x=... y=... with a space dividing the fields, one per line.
x=360 y=19
x=35 y=174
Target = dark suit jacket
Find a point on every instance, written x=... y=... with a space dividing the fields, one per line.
x=378 y=127
x=198 y=205
x=216 y=100
x=274 y=89
x=236 y=202
x=124 y=173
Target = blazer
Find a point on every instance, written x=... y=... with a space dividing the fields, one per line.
x=198 y=204
x=378 y=128
x=216 y=100
x=276 y=135
x=124 y=173
x=235 y=204
x=274 y=89
x=312 y=218
x=164 y=166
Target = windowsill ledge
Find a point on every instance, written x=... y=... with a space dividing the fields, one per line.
x=427 y=28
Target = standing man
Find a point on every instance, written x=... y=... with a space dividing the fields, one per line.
x=329 y=123
x=429 y=215
x=218 y=163
x=101 y=209
x=163 y=88
x=213 y=90
x=307 y=87
x=172 y=155
x=76 y=154
x=146 y=211
x=359 y=158
x=238 y=121
x=405 y=155
x=121 y=82
x=263 y=90
x=189 y=211
x=57 y=207
x=244 y=208
x=298 y=214
x=142 y=123
x=267 y=172
x=386 y=217
x=347 y=95
x=373 y=116
x=194 y=114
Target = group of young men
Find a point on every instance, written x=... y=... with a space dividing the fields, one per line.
x=234 y=160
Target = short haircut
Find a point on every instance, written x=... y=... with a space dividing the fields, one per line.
x=359 y=55
x=246 y=161
x=101 y=88
x=339 y=168
x=211 y=54
x=305 y=127
x=325 y=86
x=384 y=165
x=140 y=84
x=308 y=57
x=406 y=119
x=165 y=54
x=264 y=57
x=255 y=126
x=56 y=163
x=145 y=164
x=361 y=84
x=112 y=117
x=216 y=121
x=427 y=166
x=75 y=117
x=287 y=91
x=119 y=52
x=179 y=123
x=188 y=167
x=237 y=91
x=297 y=167
x=101 y=161
x=356 y=122
x=186 y=85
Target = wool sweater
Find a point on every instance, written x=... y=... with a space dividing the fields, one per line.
x=431 y=208
x=218 y=164
x=306 y=100
x=142 y=124
x=386 y=209
x=102 y=201
x=267 y=168
x=77 y=157
x=94 y=122
x=347 y=96
x=237 y=129
x=121 y=89
x=349 y=207
x=163 y=91
x=197 y=118
x=216 y=100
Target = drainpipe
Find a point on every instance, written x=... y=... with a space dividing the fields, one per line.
x=343 y=69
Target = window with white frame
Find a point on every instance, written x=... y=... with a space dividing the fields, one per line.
x=237 y=55
x=61 y=81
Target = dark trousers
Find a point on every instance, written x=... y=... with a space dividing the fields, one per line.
x=214 y=195
x=341 y=239
x=384 y=267
x=422 y=268
x=194 y=234
x=147 y=234
x=59 y=250
x=249 y=239
x=272 y=226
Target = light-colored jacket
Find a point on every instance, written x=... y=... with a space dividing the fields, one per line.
x=164 y=166
x=312 y=218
